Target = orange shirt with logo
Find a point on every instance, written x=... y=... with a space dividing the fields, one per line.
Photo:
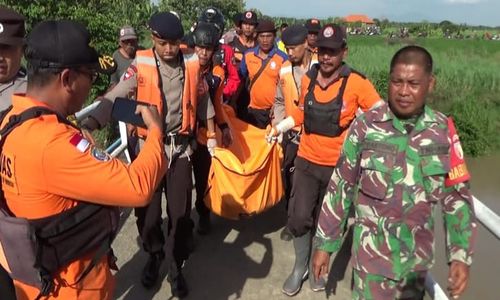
x=263 y=91
x=359 y=93
x=52 y=167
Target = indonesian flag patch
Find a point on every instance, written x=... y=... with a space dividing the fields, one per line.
x=131 y=71
x=458 y=170
x=80 y=143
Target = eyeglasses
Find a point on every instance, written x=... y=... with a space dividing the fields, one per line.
x=93 y=75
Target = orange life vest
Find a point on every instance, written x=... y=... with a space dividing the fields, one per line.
x=148 y=87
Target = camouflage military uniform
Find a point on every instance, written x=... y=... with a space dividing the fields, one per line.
x=394 y=176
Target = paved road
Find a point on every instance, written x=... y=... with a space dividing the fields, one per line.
x=238 y=260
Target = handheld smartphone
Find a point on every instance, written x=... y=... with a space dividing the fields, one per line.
x=124 y=110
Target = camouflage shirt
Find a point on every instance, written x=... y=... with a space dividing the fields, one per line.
x=395 y=178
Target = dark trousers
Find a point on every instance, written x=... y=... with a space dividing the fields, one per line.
x=310 y=181
x=7 y=290
x=259 y=118
x=201 y=167
x=177 y=185
x=288 y=167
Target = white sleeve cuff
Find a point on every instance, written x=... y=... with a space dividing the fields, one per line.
x=285 y=125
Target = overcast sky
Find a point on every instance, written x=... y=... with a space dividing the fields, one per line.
x=472 y=12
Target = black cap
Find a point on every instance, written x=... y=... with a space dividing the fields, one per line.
x=166 y=26
x=313 y=25
x=249 y=17
x=11 y=27
x=331 y=36
x=63 y=44
x=265 y=25
x=294 y=35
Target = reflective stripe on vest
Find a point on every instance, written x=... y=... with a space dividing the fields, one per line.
x=148 y=87
x=150 y=61
x=289 y=88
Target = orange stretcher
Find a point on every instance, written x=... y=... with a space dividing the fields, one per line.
x=244 y=179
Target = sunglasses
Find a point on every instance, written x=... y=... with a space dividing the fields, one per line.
x=93 y=75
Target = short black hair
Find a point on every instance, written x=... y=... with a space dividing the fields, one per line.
x=38 y=76
x=410 y=55
x=283 y=25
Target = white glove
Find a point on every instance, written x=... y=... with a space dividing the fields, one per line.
x=211 y=144
x=274 y=133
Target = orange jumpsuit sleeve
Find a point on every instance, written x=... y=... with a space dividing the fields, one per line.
x=93 y=176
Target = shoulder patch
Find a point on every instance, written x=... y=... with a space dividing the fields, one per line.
x=99 y=154
x=458 y=169
x=131 y=71
x=80 y=143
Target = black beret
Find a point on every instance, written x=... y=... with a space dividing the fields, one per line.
x=294 y=35
x=166 y=26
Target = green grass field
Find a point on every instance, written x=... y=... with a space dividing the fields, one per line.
x=468 y=82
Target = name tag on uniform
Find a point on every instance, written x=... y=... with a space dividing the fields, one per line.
x=8 y=172
x=435 y=149
x=380 y=147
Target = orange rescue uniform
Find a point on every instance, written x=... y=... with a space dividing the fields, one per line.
x=263 y=90
x=50 y=175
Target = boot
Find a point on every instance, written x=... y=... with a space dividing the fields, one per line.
x=204 y=224
x=286 y=235
x=316 y=285
x=151 y=269
x=293 y=283
x=178 y=285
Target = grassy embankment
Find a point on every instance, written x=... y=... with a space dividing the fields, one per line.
x=468 y=82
